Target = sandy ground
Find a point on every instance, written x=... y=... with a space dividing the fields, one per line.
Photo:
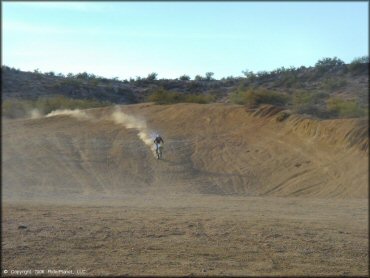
x=190 y=235
x=235 y=195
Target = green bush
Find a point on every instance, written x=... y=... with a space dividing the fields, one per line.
x=359 y=65
x=326 y=64
x=152 y=76
x=14 y=108
x=184 y=77
x=94 y=82
x=255 y=97
x=199 y=78
x=261 y=96
x=46 y=105
x=50 y=73
x=238 y=97
x=338 y=107
x=308 y=102
x=290 y=80
x=304 y=97
x=209 y=76
x=332 y=84
x=167 y=97
x=202 y=99
x=250 y=75
x=71 y=82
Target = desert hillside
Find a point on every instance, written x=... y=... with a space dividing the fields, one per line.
x=265 y=162
x=306 y=90
x=209 y=149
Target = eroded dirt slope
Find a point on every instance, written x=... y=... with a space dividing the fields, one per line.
x=212 y=149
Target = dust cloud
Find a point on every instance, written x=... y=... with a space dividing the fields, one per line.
x=77 y=113
x=118 y=117
x=35 y=114
x=129 y=121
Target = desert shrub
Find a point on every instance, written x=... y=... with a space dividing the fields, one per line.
x=202 y=99
x=262 y=96
x=166 y=97
x=11 y=69
x=199 y=78
x=231 y=80
x=194 y=86
x=184 y=77
x=209 y=76
x=290 y=80
x=359 y=65
x=338 y=107
x=14 y=108
x=332 y=84
x=250 y=75
x=70 y=82
x=50 y=73
x=238 y=97
x=326 y=64
x=263 y=74
x=308 y=102
x=361 y=60
x=302 y=97
x=82 y=75
x=311 y=109
x=103 y=80
x=254 y=97
x=46 y=105
x=94 y=82
x=216 y=93
x=152 y=76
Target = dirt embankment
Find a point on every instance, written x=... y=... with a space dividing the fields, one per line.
x=92 y=196
x=210 y=149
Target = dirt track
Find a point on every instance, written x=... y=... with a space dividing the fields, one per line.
x=236 y=194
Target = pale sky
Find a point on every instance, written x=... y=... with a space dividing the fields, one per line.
x=129 y=39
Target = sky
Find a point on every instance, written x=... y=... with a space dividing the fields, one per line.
x=130 y=39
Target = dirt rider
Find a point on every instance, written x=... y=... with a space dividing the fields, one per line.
x=158 y=140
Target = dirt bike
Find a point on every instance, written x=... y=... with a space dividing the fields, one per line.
x=159 y=150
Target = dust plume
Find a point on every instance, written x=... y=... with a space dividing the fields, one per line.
x=77 y=113
x=35 y=114
x=118 y=117
x=129 y=121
